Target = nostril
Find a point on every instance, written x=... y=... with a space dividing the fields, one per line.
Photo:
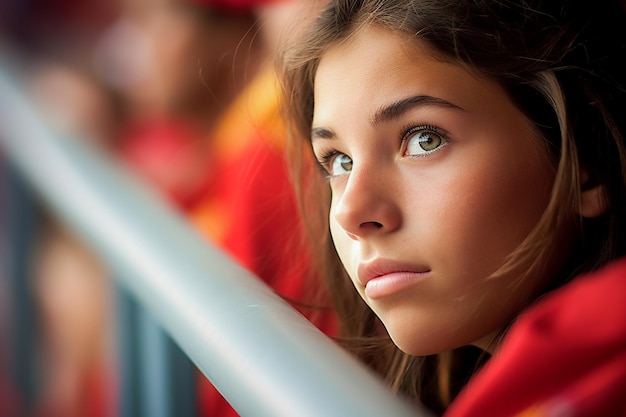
x=371 y=225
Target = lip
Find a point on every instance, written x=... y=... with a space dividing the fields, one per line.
x=382 y=277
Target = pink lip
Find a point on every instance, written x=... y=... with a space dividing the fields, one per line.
x=383 y=277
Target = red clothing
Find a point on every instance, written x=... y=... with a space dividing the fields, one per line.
x=167 y=153
x=252 y=214
x=566 y=356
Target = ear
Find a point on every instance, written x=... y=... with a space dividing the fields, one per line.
x=592 y=201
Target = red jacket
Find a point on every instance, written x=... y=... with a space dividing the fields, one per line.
x=566 y=356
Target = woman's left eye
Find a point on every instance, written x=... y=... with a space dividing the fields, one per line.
x=423 y=141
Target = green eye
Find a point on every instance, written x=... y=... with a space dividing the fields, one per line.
x=423 y=142
x=341 y=164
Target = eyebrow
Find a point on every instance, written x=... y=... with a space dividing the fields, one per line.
x=322 y=133
x=398 y=108
x=391 y=112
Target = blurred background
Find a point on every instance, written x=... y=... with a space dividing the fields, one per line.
x=180 y=93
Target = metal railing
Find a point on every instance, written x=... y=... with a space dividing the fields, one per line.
x=262 y=355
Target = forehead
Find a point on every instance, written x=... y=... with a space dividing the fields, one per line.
x=375 y=66
x=370 y=49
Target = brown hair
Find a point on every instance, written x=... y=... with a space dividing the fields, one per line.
x=562 y=65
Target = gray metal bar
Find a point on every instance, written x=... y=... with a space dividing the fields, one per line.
x=260 y=353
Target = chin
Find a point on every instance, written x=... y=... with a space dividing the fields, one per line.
x=418 y=349
x=425 y=340
x=418 y=342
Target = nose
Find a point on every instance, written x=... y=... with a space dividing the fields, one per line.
x=368 y=205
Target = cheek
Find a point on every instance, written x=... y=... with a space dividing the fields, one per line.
x=339 y=236
x=346 y=247
x=483 y=211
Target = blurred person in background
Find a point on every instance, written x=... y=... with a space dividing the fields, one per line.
x=177 y=65
x=171 y=67
x=203 y=128
x=208 y=134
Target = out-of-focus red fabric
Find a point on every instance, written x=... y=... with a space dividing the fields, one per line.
x=565 y=357
x=169 y=155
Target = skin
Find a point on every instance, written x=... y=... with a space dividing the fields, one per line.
x=429 y=227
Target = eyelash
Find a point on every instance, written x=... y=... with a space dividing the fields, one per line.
x=411 y=129
x=324 y=161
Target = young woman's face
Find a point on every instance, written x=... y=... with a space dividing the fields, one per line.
x=436 y=178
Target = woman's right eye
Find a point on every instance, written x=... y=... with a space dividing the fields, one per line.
x=340 y=164
x=335 y=163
